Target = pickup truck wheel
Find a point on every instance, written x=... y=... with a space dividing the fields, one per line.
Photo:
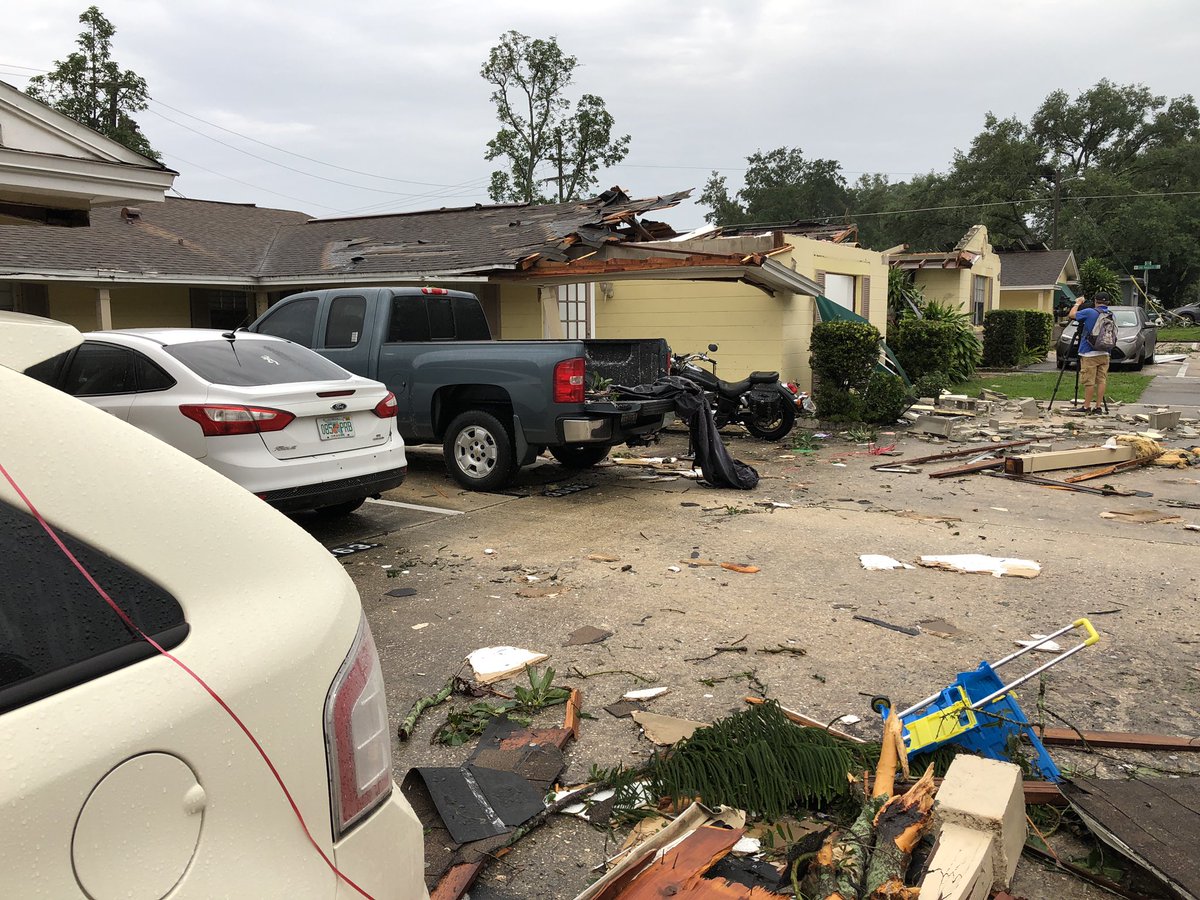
x=580 y=456
x=479 y=451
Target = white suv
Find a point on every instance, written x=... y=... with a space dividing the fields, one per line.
x=121 y=775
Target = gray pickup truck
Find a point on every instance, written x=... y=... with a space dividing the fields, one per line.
x=492 y=405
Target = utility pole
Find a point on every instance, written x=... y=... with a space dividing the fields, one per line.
x=1054 y=221
x=1145 y=268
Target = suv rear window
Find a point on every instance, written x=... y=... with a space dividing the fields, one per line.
x=250 y=362
x=55 y=630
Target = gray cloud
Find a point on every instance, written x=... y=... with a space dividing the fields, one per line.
x=393 y=88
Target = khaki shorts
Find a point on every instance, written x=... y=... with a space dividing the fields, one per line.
x=1093 y=372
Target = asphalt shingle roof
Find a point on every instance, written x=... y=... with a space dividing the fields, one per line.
x=199 y=238
x=176 y=237
x=1021 y=268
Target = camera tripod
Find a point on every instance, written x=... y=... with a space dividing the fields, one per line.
x=1072 y=354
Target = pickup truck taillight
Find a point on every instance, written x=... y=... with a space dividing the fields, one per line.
x=358 y=744
x=568 y=381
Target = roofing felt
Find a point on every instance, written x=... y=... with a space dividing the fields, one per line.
x=1026 y=268
x=463 y=240
x=174 y=238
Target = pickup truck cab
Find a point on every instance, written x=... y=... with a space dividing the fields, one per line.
x=492 y=405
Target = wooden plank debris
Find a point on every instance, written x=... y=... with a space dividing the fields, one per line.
x=1122 y=740
x=1152 y=821
x=982 y=466
x=1051 y=461
x=957 y=454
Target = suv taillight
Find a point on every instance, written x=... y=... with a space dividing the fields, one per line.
x=386 y=408
x=217 y=419
x=568 y=381
x=358 y=746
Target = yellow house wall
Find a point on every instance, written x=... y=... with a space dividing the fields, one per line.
x=745 y=322
x=133 y=306
x=1039 y=300
x=520 y=312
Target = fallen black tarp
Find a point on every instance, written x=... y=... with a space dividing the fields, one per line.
x=719 y=467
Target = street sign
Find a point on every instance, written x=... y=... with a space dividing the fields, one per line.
x=1147 y=266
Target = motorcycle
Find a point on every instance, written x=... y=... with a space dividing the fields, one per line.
x=760 y=402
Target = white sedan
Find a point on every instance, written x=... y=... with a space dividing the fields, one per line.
x=282 y=421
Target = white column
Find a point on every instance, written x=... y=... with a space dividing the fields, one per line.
x=260 y=303
x=103 y=309
x=552 y=326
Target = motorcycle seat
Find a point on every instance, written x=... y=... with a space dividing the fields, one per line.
x=734 y=389
x=763 y=377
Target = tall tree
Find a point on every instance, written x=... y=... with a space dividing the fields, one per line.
x=780 y=185
x=541 y=138
x=92 y=89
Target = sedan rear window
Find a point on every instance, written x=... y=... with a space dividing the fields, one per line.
x=251 y=362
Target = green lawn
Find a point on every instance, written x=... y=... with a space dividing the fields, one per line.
x=1124 y=386
x=1175 y=333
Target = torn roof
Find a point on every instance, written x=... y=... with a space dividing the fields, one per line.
x=835 y=232
x=209 y=242
x=467 y=240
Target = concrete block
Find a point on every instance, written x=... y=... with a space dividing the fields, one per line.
x=986 y=795
x=1029 y=408
x=933 y=425
x=960 y=866
x=1163 y=420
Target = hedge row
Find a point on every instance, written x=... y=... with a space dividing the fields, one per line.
x=1011 y=336
x=848 y=389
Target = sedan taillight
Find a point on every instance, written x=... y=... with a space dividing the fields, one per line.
x=358 y=745
x=386 y=408
x=568 y=381
x=219 y=419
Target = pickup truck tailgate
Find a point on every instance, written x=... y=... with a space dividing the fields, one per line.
x=627 y=362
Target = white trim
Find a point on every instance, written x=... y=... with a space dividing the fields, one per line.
x=21 y=105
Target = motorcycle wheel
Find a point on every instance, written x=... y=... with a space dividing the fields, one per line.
x=774 y=428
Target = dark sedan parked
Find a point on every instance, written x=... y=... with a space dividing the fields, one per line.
x=1191 y=313
x=1137 y=337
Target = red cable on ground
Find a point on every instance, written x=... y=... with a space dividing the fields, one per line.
x=200 y=681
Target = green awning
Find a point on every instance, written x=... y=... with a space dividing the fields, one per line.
x=828 y=311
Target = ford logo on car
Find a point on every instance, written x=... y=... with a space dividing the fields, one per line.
x=338 y=407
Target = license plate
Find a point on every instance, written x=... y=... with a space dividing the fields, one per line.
x=333 y=427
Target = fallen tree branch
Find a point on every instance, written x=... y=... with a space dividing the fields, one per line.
x=404 y=732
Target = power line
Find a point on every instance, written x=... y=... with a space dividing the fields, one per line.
x=256 y=187
x=897 y=212
x=293 y=153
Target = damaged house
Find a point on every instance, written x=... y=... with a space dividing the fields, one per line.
x=597 y=268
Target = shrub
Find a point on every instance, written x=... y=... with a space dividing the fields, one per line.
x=932 y=385
x=885 y=400
x=1095 y=276
x=1039 y=331
x=844 y=353
x=843 y=356
x=928 y=346
x=836 y=404
x=1003 y=338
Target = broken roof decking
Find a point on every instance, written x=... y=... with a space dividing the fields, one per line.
x=1028 y=269
x=469 y=240
x=194 y=241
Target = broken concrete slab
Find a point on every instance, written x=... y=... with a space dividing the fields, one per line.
x=935 y=425
x=977 y=564
x=665 y=730
x=960 y=866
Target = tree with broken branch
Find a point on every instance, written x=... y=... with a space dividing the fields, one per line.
x=541 y=138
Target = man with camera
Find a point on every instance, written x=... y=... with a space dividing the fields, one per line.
x=1093 y=362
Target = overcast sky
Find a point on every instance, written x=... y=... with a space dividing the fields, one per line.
x=392 y=88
